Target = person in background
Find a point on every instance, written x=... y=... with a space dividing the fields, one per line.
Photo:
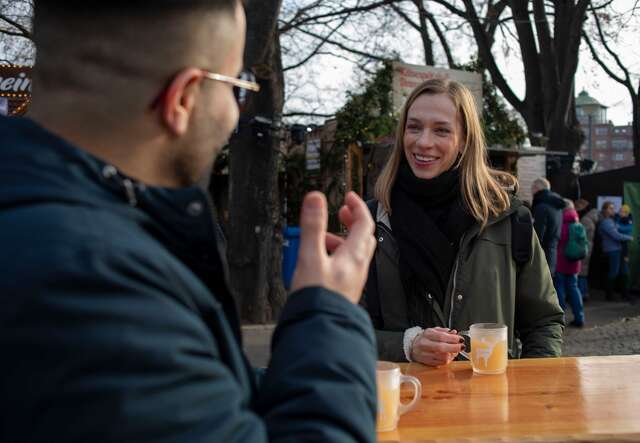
x=612 y=241
x=446 y=232
x=117 y=323
x=566 y=277
x=590 y=221
x=547 y=218
x=624 y=223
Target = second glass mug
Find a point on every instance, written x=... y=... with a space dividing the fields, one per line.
x=388 y=380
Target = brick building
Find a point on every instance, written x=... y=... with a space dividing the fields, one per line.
x=609 y=145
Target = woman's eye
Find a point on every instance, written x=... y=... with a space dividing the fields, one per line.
x=443 y=130
x=413 y=128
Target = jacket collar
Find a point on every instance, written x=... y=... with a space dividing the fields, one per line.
x=37 y=166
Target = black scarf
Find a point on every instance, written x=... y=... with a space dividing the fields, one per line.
x=428 y=219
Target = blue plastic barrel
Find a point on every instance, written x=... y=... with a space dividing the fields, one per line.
x=290 y=247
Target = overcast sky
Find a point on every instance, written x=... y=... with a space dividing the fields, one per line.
x=324 y=81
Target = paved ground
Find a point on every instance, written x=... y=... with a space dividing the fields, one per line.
x=612 y=328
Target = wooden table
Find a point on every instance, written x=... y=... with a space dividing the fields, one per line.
x=549 y=400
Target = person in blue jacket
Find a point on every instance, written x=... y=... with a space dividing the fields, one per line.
x=612 y=241
x=116 y=322
x=624 y=225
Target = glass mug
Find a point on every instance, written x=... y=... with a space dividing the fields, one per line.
x=388 y=381
x=489 y=346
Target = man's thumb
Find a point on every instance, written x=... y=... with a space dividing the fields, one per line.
x=313 y=224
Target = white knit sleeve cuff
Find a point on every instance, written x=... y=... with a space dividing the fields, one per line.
x=409 y=335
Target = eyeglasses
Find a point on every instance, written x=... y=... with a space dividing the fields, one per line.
x=245 y=82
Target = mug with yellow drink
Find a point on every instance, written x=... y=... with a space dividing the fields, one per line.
x=489 y=346
x=388 y=380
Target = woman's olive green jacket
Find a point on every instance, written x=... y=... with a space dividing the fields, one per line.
x=485 y=286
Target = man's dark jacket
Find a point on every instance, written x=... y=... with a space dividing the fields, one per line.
x=116 y=324
x=547 y=220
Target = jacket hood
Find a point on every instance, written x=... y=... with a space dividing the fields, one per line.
x=570 y=215
x=550 y=198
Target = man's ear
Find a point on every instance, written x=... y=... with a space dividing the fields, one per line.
x=180 y=100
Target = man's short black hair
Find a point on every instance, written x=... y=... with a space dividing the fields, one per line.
x=107 y=47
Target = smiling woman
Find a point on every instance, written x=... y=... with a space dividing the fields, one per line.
x=446 y=226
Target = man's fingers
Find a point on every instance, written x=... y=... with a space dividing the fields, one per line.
x=313 y=227
x=360 y=241
x=345 y=216
x=333 y=242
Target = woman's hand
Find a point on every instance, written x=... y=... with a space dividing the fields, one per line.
x=436 y=346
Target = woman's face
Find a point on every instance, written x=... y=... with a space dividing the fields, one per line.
x=431 y=135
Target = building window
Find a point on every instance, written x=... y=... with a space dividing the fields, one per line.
x=602 y=131
x=601 y=143
x=618 y=157
x=602 y=156
x=621 y=144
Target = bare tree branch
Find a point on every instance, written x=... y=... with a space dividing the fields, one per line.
x=307 y=114
x=447 y=4
x=599 y=7
x=601 y=62
x=317 y=48
x=285 y=27
x=343 y=47
x=626 y=81
x=441 y=37
x=488 y=59
x=405 y=17
x=22 y=31
x=494 y=11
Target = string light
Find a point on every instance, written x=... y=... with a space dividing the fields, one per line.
x=14 y=95
x=22 y=107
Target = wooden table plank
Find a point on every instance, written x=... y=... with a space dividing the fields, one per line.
x=562 y=399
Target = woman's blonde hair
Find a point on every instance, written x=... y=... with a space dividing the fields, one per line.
x=483 y=188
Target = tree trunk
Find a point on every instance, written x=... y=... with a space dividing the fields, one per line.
x=424 y=34
x=255 y=239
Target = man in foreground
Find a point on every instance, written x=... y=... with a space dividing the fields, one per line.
x=116 y=322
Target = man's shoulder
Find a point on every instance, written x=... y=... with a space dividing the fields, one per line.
x=57 y=240
x=48 y=225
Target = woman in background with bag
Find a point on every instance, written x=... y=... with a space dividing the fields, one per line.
x=569 y=262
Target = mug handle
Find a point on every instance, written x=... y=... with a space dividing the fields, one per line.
x=465 y=354
x=402 y=408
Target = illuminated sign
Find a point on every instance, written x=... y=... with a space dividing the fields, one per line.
x=15 y=89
